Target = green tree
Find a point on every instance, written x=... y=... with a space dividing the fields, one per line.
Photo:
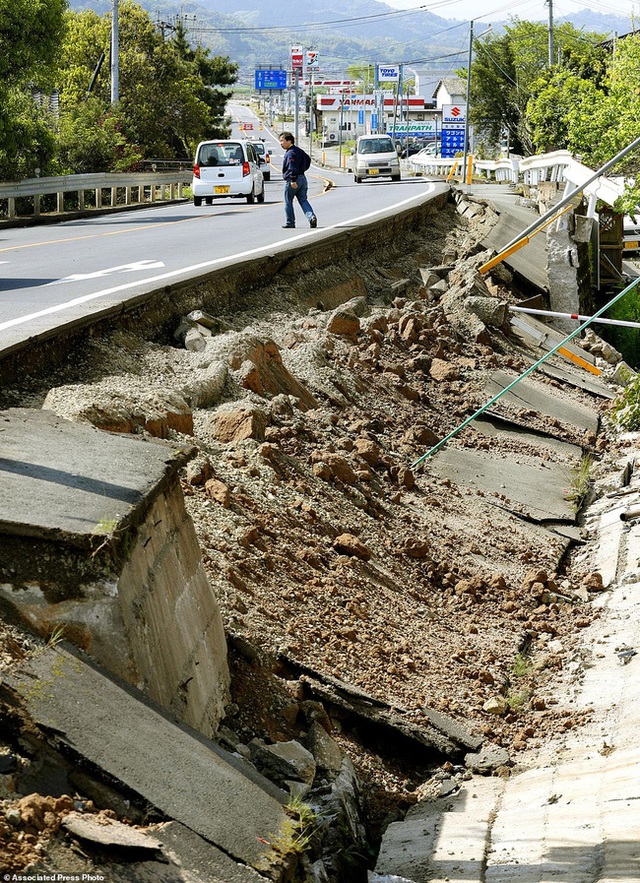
x=561 y=111
x=30 y=33
x=214 y=72
x=168 y=93
x=510 y=70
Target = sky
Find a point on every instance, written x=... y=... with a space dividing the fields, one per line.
x=502 y=10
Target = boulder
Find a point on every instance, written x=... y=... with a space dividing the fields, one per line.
x=282 y=761
x=348 y=544
x=237 y=423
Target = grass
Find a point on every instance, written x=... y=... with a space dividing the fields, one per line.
x=57 y=635
x=297 y=831
x=518 y=698
x=521 y=666
x=580 y=482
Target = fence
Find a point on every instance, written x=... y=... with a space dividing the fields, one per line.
x=93 y=191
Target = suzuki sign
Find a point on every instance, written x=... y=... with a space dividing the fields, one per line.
x=453 y=113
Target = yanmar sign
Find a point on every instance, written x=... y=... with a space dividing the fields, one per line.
x=453 y=113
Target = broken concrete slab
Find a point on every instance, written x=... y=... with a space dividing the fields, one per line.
x=539 y=492
x=282 y=761
x=529 y=262
x=532 y=395
x=102 y=547
x=384 y=725
x=98 y=479
x=203 y=861
x=434 y=843
x=496 y=426
x=108 y=832
x=110 y=728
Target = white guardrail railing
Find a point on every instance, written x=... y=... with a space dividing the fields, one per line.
x=512 y=169
x=97 y=190
x=558 y=166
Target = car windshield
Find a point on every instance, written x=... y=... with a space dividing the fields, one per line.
x=221 y=154
x=375 y=145
x=259 y=148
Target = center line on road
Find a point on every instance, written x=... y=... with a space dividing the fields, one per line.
x=263 y=251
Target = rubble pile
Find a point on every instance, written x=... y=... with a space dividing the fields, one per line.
x=335 y=556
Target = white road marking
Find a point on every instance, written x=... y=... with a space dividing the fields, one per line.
x=254 y=252
x=124 y=268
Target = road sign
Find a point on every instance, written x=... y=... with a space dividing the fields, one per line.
x=270 y=79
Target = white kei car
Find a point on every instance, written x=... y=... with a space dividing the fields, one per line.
x=226 y=168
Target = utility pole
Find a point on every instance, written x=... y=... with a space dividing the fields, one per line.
x=296 y=103
x=550 y=2
x=311 y=120
x=115 y=51
x=466 y=113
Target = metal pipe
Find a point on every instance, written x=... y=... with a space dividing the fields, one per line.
x=630 y=514
x=621 y=322
x=526 y=373
x=466 y=113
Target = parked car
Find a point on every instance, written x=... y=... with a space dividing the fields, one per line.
x=408 y=150
x=226 y=168
x=264 y=157
x=375 y=156
x=631 y=232
x=433 y=149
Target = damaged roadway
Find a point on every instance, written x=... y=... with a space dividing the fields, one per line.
x=418 y=589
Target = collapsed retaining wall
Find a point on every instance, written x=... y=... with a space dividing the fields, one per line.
x=96 y=546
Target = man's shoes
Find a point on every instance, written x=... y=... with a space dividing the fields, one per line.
x=288 y=226
x=313 y=222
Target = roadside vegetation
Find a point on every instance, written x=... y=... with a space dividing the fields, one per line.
x=56 y=114
x=587 y=102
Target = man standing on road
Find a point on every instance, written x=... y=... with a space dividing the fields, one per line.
x=294 y=165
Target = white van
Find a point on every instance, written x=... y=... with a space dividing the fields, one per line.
x=375 y=156
x=226 y=168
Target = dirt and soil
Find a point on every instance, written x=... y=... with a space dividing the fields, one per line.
x=324 y=546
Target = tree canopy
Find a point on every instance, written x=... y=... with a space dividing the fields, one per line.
x=510 y=71
x=30 y=34
x=170 y=94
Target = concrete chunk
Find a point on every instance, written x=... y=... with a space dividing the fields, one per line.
x=104 y=726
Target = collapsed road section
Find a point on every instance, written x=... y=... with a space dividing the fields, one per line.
x=381 y=621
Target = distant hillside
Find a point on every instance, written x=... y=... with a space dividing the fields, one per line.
x=257 y=32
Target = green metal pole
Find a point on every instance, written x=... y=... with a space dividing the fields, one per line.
x=526 y=373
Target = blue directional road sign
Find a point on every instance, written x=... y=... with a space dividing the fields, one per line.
x=270 y=79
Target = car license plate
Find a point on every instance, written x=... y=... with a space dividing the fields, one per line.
x=221 y=189
x=374 y=171
x=632 y=245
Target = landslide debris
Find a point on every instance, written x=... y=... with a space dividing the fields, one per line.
x=326 y=548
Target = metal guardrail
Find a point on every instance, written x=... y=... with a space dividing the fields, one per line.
x=123 y=188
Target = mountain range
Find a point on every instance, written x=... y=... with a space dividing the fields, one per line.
x=344 y=32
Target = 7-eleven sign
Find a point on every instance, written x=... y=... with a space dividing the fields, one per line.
x=297 y=58
x=313 y=63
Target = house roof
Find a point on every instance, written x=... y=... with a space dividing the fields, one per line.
x=453 y=85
